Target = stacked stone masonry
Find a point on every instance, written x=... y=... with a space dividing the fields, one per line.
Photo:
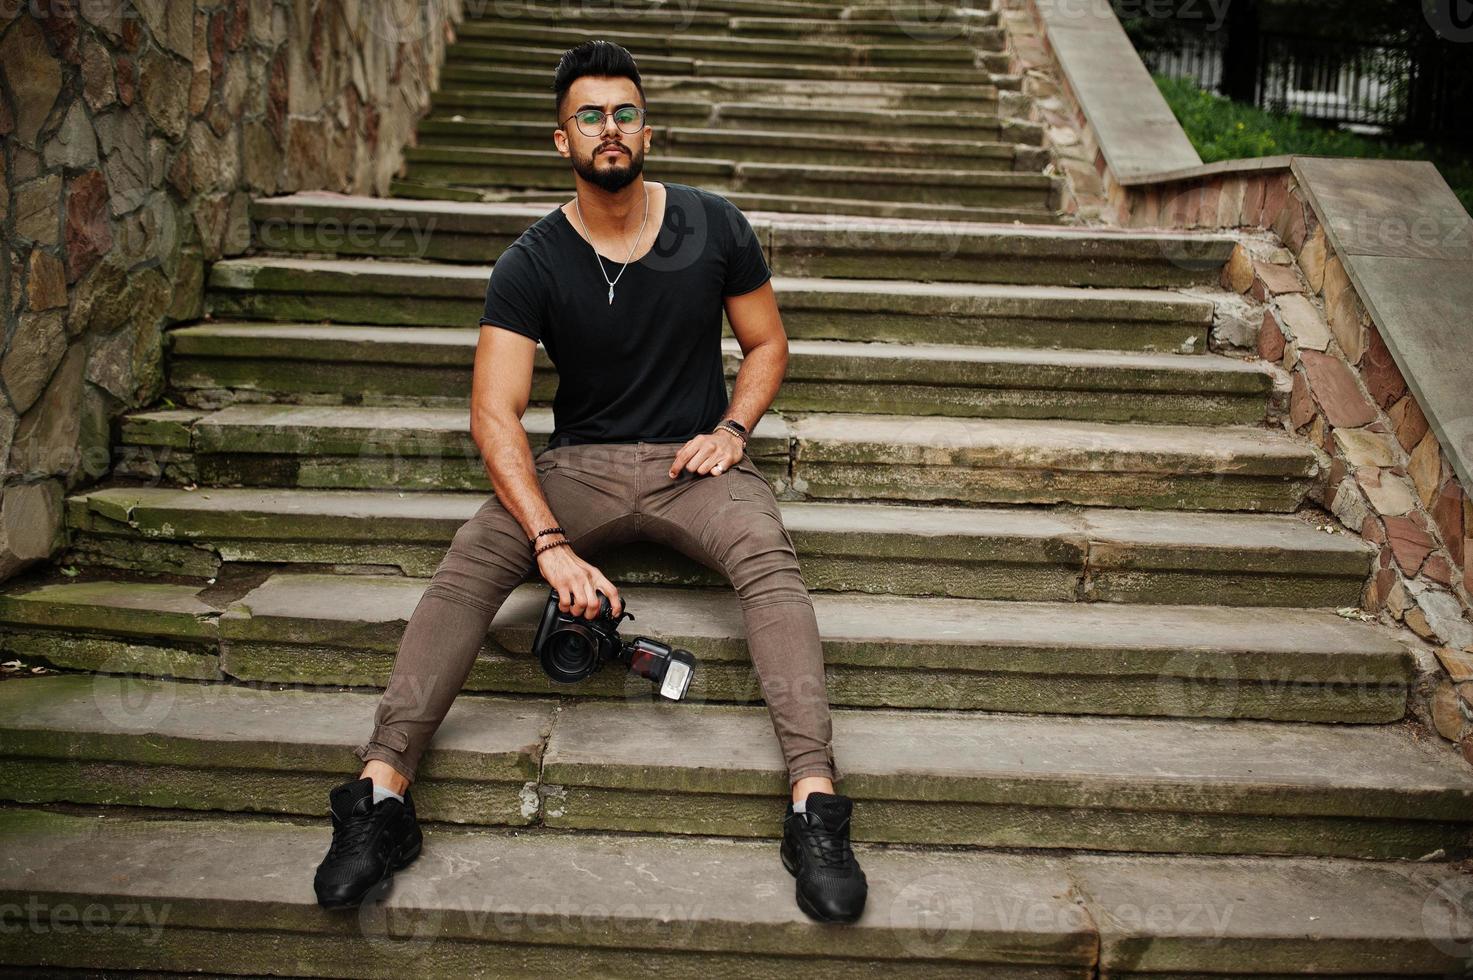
x=134 y=137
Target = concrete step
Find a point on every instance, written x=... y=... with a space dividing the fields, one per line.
x=549 y=904
x=896 y=63
x=544 y=168
x=388 y=293
x=687 y=110
x=772 y=89
x=801 y=44
x=1027 y=781
x=834 y=456
x=928 y=915
x=915 y=252
x=745 y=146
x=1090 y=555
x=897 y=22
x=882 y=651
x=795 y=204
x=222 y=362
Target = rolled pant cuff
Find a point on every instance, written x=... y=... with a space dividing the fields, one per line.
x=387 y=745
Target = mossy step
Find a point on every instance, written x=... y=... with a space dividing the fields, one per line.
x=414 y=190
x=549 y=903
x=909 y=20
x=833 y=455
x=497 y=167
x=815 y=45
x=540 y=904
x=489 y=80
x=886 y=22
x=97 y=738
x=227 y=361
x=746 y=145
x=920 y=252
x=918 y=777
x=881 y=651
x=687 y=110
x=1127 y=784
x=896 y=63
x=962 y=26
x=389 y=293
x=1102 y=555
x=157 y=628
x=923 y=458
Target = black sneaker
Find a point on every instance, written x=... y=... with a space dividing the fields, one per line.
x=831 y=885
x=370 y=841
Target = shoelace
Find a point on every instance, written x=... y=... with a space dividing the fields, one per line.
x=352 y=833
x=833 y=845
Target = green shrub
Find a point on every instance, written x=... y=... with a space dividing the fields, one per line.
x=1222 y=129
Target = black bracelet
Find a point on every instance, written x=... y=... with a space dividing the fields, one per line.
x=549 y=530
x=548 y=547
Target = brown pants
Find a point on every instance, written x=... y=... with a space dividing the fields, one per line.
x=603 y=495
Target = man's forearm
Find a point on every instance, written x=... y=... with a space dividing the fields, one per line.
x=507 y=456
x=757 y=382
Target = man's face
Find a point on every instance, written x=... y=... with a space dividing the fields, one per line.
x=612 y=158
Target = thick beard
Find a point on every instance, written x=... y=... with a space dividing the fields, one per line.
x=613 y=179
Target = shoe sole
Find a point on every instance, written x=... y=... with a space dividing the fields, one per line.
x=808 y=909
x=399 y=863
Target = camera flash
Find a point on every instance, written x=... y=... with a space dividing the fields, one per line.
x=677 y=679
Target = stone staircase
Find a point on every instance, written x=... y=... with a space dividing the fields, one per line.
x=1099 y=689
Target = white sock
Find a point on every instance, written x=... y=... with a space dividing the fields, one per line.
x=380 y=793
x=801 y=806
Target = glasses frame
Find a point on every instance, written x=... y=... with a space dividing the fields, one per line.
x=604 y=120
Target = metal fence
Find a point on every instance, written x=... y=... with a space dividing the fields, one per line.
x=1380 y=85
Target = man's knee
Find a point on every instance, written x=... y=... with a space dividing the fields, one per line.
x=761 y=561
x=484 y=555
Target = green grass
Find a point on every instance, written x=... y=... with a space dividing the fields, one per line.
x=1222 y=129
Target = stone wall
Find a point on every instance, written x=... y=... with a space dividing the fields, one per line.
x=134 y=137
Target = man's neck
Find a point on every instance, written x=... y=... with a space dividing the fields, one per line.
x=616 y=212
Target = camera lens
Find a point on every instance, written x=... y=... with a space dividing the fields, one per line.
x=568 y=655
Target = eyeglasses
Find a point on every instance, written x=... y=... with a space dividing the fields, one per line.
x=629 y=119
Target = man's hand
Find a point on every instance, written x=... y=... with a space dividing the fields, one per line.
x=710 y=452
x=577 y=583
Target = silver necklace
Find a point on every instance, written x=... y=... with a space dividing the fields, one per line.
x=599 y=258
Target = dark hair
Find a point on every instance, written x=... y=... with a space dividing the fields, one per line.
x=595 y=57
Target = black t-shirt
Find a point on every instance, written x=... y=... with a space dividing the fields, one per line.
x=646 y=368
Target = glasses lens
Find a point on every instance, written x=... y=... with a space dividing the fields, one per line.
x=590 y=122
x=629 y=119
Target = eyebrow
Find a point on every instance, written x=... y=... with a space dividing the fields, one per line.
x=590 y=105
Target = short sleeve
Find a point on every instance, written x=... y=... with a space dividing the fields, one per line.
x=746 y=266
x=514 y=294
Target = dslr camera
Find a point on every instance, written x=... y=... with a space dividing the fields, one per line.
x=571 y=648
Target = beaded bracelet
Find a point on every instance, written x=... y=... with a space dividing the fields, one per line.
x=548 y=530
x=548 y=547
x=722 y=425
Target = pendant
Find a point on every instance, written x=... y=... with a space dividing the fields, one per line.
x=611 y=295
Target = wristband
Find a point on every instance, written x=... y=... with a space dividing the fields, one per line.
x=548 y=547
x=733 y=427
x=549 y=530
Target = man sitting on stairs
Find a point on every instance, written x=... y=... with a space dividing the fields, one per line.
x=644 y=447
